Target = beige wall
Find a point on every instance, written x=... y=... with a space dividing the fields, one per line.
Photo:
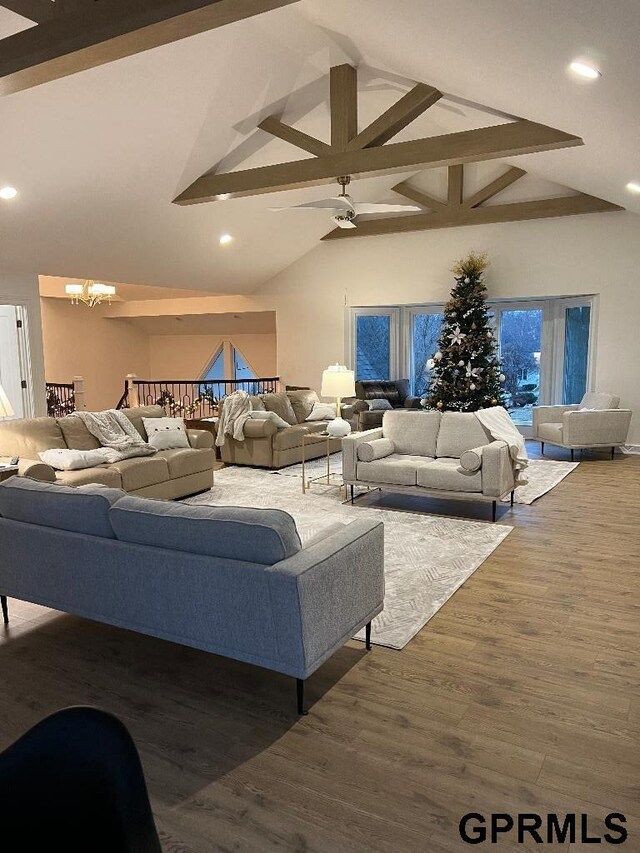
x=22 y=289
x=576 y=255
x=78 y=341
x=188 y=356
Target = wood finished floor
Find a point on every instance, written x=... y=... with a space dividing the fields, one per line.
x=521 y=695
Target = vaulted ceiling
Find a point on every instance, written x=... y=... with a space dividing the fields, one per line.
x=99 y=156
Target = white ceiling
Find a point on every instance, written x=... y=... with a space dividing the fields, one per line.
x=99 y=156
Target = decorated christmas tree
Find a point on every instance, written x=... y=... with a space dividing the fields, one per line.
x=465 y=372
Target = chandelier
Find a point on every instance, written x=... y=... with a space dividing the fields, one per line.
x=91 y=293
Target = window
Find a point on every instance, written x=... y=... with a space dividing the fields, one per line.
x=545 y=347
x=241 y=367
x=577 y=326
x=216 y=369
x=520 y=341
x=425 y=330
x=375 y=337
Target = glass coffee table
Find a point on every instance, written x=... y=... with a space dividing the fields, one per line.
x=329 y=477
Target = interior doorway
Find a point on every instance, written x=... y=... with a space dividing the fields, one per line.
x=14 y=362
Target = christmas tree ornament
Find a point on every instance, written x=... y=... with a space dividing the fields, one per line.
x=431 y=364
x=438 y=356
x=456 y=336
x=494 y=401
x=461 y=363
x=439 y=404
x=502 y=377
x=472 y=387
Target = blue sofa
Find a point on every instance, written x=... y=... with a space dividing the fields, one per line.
x=234 y=581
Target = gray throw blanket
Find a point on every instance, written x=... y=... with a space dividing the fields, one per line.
x=235 y=412
x=116 y=433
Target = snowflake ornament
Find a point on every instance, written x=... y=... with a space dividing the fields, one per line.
x=456 y=336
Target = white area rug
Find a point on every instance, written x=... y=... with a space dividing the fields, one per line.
x=542 y=474
x=427 y=557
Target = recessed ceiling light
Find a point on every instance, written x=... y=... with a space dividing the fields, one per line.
x=223 y=196
x=633 y=186
x=225 y=239
x=8 y=193
x=584 y=70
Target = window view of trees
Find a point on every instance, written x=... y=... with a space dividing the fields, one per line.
x=424 y=340
x=520 y=346
x=373 y=346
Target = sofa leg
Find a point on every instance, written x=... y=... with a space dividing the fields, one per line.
x=572 y=454
x=300 y=696
x=613 y=453
x=367 y=633
x=351 y=487
x=494 y=507
x=5 y=609
x=513 y=492
x=542 y=448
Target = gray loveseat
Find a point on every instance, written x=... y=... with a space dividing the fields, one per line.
x=233 y=581
x=448 y=455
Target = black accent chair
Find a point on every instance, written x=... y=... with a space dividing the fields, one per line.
x=396 y=391
x=74 y=782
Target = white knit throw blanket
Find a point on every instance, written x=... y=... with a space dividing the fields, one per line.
x=498 y=421
x=235 y=412
x=115 y=431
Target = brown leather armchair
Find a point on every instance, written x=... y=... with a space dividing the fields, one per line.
x=396 y=391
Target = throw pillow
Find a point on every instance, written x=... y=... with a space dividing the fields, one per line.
x=471 y=460
x=270 y=416
x=302 y=401
x=322 y=412
x=379 y=405
x=166 y=433
x=74 y=460
x=376 y=449
x=256 y=403
x=281 y=405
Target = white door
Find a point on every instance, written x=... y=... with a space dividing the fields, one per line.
x=10 y=369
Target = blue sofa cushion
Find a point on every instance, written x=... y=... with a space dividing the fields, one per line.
x=84 y=509
x=264 y=536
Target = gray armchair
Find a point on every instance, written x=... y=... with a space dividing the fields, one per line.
x=595 y=422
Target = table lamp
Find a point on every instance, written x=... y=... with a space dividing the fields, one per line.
x=6 y=409
x=338 y=381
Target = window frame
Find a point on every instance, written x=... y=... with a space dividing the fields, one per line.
x=392 y=311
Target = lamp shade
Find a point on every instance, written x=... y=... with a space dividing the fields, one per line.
x=6 y=409
x=338 y=381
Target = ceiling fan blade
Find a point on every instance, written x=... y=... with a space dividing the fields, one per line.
x=386 y=208
x=341 y=222
x=339 y=203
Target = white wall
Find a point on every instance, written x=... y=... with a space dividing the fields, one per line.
x=597 y=253
x=22 y=289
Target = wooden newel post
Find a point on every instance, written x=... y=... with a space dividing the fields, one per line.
x=78 y=393
x=132 y=390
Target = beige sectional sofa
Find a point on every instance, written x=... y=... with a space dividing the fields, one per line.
x=168 y=474
x=449 y=455
x=265 y=446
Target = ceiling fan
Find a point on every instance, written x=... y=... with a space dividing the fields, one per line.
x=346 y=209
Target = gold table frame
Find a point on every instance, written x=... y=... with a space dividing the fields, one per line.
x=325 y=478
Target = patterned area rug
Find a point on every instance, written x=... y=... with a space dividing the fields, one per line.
x=427 y=557
x=542 y=474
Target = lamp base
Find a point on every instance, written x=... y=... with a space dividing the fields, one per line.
x=338 y=427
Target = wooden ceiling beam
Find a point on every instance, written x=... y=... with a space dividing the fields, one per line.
x=487 y=143
x=296 y=137
x=35 y=10
x=501 y=183
x=100 y=32
x=343 y=87
x=397 y=117
x=455 y=185
x=405 y=189
x=454 y=218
